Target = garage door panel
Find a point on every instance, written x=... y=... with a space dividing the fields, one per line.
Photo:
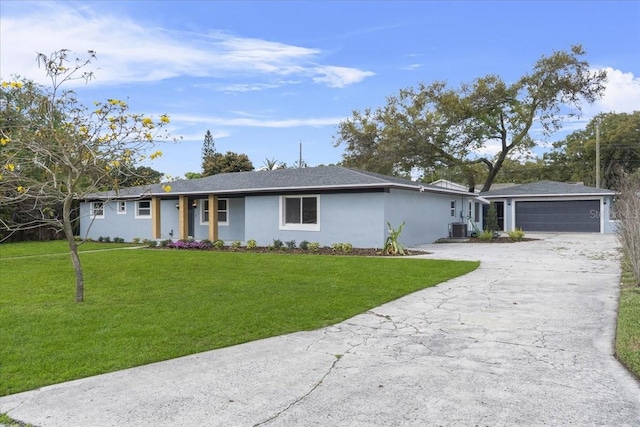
x=561 y=215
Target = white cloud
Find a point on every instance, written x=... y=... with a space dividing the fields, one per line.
x=253 y=122
x=129 y=51
x=622 y=94
x=411 y=67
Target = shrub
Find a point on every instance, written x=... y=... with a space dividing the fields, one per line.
x=107 y=239
x=235 y=245
x=627 y=213
x=492 y=218
x=291 y=244
x=304 y=245
x=344 y=248
x=391 y=245
x=205 y=244
x=516 y=235
x=314 y=246
x=165 y=243
x=136 y=240
x=118 y=240
x=486 y=235
x=218 y=244
x=251 y=244
x=152 y=243
x=277 y=244
x=100 y=239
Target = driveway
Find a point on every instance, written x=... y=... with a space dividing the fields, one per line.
x=527 y=339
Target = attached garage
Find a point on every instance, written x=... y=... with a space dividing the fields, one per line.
x=558 y=215
x=549 y=206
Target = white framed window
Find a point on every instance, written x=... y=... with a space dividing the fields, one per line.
x=121 y=208
x=476 y=213
x=453 y=208
x=223 y=211
x=143 y=209
x=97 y=210
x=300 y=213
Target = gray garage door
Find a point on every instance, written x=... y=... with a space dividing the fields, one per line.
x=565 y=215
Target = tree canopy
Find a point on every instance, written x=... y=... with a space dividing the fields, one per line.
x=214 y=163
x=56 y=151
x=435 y=124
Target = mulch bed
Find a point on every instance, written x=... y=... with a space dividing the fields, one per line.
x=499 y=240
x=371 y=252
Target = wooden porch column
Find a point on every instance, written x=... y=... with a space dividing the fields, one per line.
x=213 y=217
x=183 y=217
x=155 y=217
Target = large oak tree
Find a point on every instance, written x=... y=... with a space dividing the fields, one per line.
x=435 y=124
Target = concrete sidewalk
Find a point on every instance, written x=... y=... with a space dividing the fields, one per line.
x=527 y=339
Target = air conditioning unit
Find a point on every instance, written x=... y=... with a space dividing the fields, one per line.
x=458 y=230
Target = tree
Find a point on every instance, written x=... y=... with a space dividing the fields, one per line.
x=273 y=164
x=208 y=149
x=225 y=163
x=193 y=175
x=619 y=148
x=435 y=123
x=55 y=151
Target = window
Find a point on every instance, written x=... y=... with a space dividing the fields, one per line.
x=122 y=208
x=97 y=209
x=300 y=213
x=223 y=212
x=143 y=209
x=453 y=208
x=470 y=207
x=476 y=214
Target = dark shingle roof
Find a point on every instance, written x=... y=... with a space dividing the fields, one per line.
x=315 y=178
x=546 y=188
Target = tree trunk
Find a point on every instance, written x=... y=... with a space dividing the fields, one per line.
x=73 y=248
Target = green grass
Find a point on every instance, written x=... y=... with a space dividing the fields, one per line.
x=628 y=328
x=144 y=306
x=10 y=250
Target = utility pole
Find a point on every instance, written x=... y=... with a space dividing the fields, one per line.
x=598 y=154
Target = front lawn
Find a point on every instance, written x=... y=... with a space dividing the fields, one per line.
x=628 y=328
x=144 y=306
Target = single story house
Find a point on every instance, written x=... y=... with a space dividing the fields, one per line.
x=555 y=207
x=325 y=204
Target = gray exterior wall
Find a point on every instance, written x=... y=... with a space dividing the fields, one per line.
x=115 y=224
x=356 y=218
x=426 y=215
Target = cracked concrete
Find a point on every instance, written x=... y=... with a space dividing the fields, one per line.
x=527 y=339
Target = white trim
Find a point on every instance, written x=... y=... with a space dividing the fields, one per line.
x=299 y=227
x=416 y=187
x=120 y=203
x=204 y=218
x=137 y=215
x=563 y=195
x=92 y=210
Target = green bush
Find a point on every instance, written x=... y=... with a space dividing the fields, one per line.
x=152 y=243
x=118 y=240
x=100 y=239
x=516 y=235
x=251 y=244
x=218 y=244
x=486 y=235
x=291 y=244
x=304 y=245
x=235 y=245
x=314 y=246
x=277 y=244
x=344 y=248
x=136 y=240
x=165 y=242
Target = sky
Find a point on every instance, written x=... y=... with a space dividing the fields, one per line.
x=266 y=76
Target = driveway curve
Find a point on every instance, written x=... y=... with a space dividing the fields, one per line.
x=526 y=339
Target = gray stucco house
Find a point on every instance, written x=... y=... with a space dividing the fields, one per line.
x=555 y=207
x=325 y=204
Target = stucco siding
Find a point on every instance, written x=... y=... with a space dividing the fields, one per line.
x=230 y=232
x=426 y=215
x=115 y=224
x=356 y=218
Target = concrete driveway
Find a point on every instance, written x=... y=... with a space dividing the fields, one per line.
x=527 y=339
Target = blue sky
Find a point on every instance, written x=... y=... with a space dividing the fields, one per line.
x=265 y=76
